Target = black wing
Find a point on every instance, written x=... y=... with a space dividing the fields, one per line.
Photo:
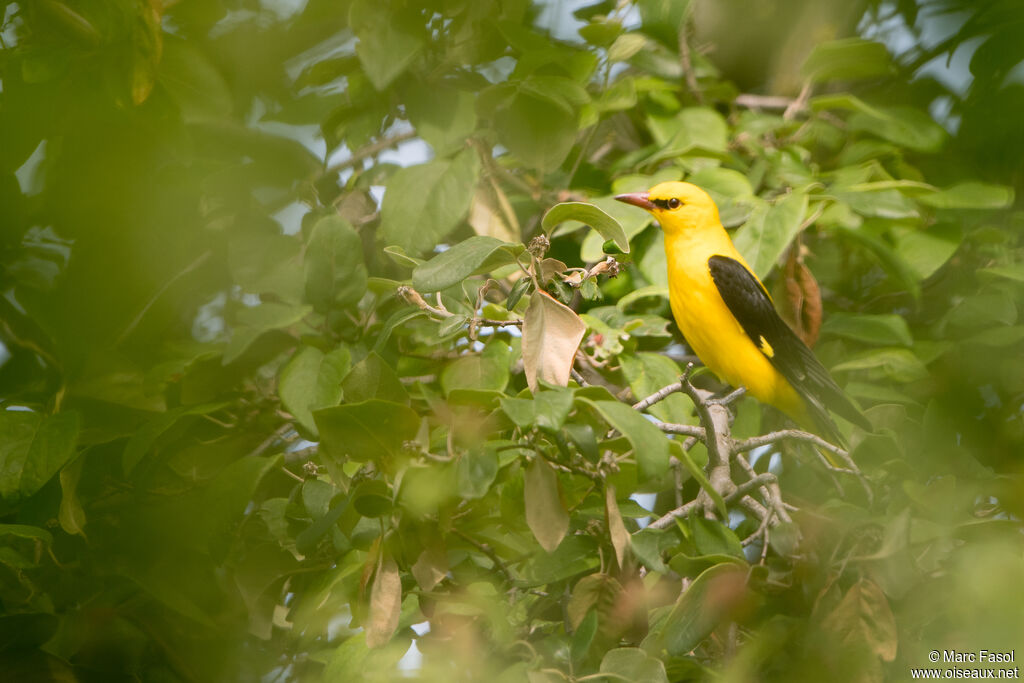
x=750 y=304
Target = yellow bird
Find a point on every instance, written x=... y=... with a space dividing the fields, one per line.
x=729 y=319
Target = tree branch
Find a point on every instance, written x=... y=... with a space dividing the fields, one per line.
x=413 y=297
x=371 y=150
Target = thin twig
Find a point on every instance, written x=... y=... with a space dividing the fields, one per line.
x=200 y=260
x=791 y=435
x=748 y=486
x=729 y=398
x=751 y=101
x=800 y=103
x=760 y=530
x=489 y=552
x=687 y=63
x=372 y=150
x=819 y=445
x=692 y=431
x=415 y=298
x=682 y=511
x=659 y=395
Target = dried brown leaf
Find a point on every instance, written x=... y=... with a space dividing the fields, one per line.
x=616 y=528
x=551 y=334
x=385 y=603
x=545 y=513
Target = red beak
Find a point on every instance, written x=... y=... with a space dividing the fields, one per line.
x=637 y=199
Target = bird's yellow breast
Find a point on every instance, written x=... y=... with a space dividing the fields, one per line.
x=709 y=326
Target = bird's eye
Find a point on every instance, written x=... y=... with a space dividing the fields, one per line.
x=674 y=203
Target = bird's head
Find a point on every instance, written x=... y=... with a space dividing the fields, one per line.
x=676 y=205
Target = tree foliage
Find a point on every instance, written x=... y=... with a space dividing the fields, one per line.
x=280 y=402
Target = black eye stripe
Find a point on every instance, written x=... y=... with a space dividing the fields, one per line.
x=665 y=203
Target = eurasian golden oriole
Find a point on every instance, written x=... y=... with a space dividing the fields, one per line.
x=729 y=319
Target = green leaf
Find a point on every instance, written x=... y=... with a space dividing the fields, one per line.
x=905 y=126
x=971 y=195
x=889 y=259
x=545 y=512
x=548 y=408
x=312 y=379
x=372 y=498
x=885 y=330
x=424 y=203
x=371 y=430
x=31 y=533
x=335 y=273
x=664 y=19
x=648 y=544
x=697 y=130
x=267 y=263
x=71 y=515
x=634 y=665
x=1013 y=272
x=785 y=538
x=925 y=251
x=660 y=291
x=389 y=39
x=843 y=101
x=647 y=372
x=900 y=365
x=883 y=203
x=650 y=446
x=864 y=618
x=477 y=254
x=27 y=632
x=711 y=537
x=601 y=31
x=575 y=555
x=398 y=255
x=194 y=84
x=443 y=116
x=487 y=370
x=33 y=449
x=625 y=46
x=767 y=234
x=605 y=225
x=583 y=636
x=699 y=610
x=539 y=131
x=143 y=439
x=475 y=472
x=254 y=321
x=632 y=221
x=697 y=472
x=551 y=334
x=619 y=96
x=723 y=183
x=846 y=60
x=372 y=377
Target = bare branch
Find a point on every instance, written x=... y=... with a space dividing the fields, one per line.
x=687 y=63
x=715 y=418
x=729 y=398
x=755 y=483
x=415 y=298
x=751 y=101
x=792 y=435
x=681 y=511
x=659 y=395
x=685 y=430
x=800 y=103
x=372 y=150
